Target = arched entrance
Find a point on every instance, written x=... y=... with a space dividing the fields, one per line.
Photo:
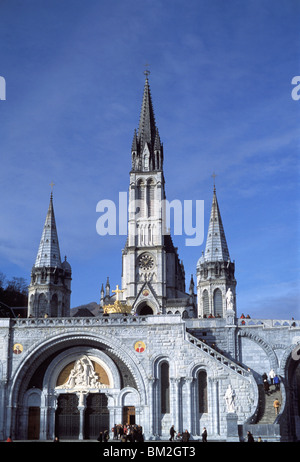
x=129 y=415
x=67 y=417
x=145 y=310
x=96 y=415
x=293 y=393
x=47 y=372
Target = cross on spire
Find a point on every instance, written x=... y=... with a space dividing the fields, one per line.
x=214 y=177
x=146 y=71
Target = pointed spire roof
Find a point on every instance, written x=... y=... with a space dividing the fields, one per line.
x=216 y=246
x=147 y=127
x=49 y=254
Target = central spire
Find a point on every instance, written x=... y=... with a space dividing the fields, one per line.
x=147 y=149
x=147 y=127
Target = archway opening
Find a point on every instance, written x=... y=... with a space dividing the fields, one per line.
x=67 y=417
x=146 y=309
x=33 y=423
x=96 y=415
x=129 y=415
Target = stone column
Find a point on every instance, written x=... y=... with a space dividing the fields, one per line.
x=188 y=406
x=21 y=432
x=81 y=408
x=43 y=421
x=214 y=401
x=52 y=406
x=152 y=407
x=175 y=403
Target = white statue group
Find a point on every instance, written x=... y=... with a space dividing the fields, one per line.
x=83 y=376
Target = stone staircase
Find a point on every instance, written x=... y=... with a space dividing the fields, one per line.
x=213 y=353
x=267 y=412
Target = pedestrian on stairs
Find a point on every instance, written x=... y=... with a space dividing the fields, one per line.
x=266 y=387
x=271 y=375
x=276 y=405
x=276 y=382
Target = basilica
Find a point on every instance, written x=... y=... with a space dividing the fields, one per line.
x=154 y=354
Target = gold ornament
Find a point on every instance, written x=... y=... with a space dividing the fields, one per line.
x=118 y=306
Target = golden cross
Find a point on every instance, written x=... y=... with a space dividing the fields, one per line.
x=118 y=291
x=52 y=184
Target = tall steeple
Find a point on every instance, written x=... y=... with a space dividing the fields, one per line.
x=50 y=286
x=147 y=127
x=49 y=254
x=152 y=272
x=215 y=270
x=216 y=246
x=147 y=149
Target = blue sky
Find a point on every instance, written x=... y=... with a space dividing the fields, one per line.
x=220 y=79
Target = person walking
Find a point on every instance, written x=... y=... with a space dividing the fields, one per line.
x=276 y=405
x=204 y=435
x=172 y=433
x=266 y=387
x=106 y=436
x=271 y=376
x=250 y=438
x=277 y=382
x=115 y=430
x=186 y=436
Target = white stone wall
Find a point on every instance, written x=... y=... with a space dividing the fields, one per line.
x=166 y=339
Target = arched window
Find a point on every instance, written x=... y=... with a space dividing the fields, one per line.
x=141 y=199
x=42 y=305
x=149 y=235
x=54 y=306
x=202 y=392
x=150 y=197
x=218 y=304
x=205 y=303
x=164 y=388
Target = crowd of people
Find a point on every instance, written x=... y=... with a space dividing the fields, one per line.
x=124 y=433
x=272 y=379
x=185 y=436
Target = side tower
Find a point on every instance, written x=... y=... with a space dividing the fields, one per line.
x=151 y=269
x=215 y=270
x=49 y=291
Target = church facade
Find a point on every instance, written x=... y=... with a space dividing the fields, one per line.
x=155 y=355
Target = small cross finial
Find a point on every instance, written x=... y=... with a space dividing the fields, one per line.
x=146 y=71
x=52 y=184
x=214 y=177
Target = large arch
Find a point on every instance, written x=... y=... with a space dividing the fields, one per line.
x=266 y=348
x=41 y=361
x=289 y=374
